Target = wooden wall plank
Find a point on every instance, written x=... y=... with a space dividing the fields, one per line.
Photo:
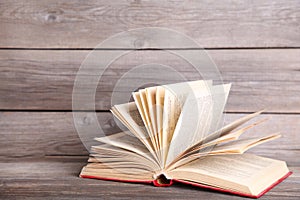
x=78 y=24
x=43 y=80
x=41 y=153
x=39 y=134
x=53 y=179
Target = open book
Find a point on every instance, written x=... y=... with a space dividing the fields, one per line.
x=175 y=133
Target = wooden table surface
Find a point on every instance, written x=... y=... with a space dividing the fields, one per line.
x=255 y=44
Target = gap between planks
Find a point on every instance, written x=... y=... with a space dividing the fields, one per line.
x=104 y=111
x=144 y=49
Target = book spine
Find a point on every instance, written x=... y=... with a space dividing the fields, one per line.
x=157 y=183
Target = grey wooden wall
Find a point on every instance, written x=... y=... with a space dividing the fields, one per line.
x=256 y=45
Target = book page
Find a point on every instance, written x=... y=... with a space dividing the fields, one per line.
x=240 y=146
x=160 y=96
x=224 y=138
x=129 y=115
x=138 y=101
x=151 y=101
x=222 y=135
x=111 y=155
x=228 y=128
x=174 y=98
x=114 y=163
x=128 y=142
x=200 y=113
x=171 y=112
x=233 y=147
x=142 y=105
x=121 y=173
x=244 y=173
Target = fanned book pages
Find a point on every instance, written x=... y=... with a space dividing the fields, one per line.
x=175 y=133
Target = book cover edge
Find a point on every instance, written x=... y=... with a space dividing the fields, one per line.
x=155 y=183
x=235 y=192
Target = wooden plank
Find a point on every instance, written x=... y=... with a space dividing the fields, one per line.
x=43 y=80
x=40 y=134
x=77 y=24
x=54 y=178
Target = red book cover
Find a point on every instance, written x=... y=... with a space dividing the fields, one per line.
x=157 y=184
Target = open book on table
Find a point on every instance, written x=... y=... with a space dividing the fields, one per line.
x=175 y=134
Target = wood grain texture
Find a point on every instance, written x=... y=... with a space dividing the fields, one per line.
x=78 y=24
x=43 y=80
x=41 y=153
x=50 y=178
x=40 y=134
